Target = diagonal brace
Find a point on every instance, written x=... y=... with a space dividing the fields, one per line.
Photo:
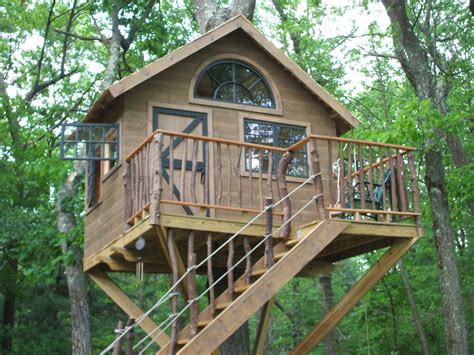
x=370 y=278
x=124 y=302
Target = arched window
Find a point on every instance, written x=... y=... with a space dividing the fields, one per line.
x=234 y=81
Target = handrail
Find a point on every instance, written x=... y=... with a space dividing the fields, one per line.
x=140 y=319
x=302 y=142
x=171 y=319
x=203 y=138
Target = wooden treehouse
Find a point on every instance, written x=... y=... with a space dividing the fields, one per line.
x=224 y=159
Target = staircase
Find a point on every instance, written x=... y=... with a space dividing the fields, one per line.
x=232 y=311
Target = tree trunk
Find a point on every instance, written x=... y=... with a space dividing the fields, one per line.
x=414 y=313
x=8 y=320
x=430 y=86
x=76 y=281
x=454 y=327
x=325 y=282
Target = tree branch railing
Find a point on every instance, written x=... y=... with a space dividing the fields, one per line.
x=353 y=179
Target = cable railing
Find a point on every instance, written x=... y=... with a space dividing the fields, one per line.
x=172 y=291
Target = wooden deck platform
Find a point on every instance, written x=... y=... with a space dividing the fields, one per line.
x=120 y=255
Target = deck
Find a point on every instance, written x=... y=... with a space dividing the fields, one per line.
x=251 y=218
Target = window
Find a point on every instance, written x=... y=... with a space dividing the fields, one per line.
x=98 y=144
x=276 y=135
x=236 y=82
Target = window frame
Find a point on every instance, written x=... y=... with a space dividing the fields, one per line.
x=277 y=110
x=273 y=121
x=234 y=62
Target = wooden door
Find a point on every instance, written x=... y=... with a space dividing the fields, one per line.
x=190 y=122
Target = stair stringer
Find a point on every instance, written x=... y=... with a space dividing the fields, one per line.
x=240 y=310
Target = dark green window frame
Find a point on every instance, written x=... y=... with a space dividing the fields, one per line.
x=234 y=82
x=276 y=134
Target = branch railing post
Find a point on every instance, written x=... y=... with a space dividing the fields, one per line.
x=318 y=179
x=128 y=202
x=268 y=233
x=283 y=191
x=157 y=179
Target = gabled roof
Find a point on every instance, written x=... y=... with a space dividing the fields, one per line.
x=239 y=22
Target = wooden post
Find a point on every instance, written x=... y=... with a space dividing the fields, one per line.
x=268 y=234
x=330 y=179
x=361 y=177
x=192 y=287
x=119 y=330
x=229 y=178
x=130 y=336
x=393 y=183
x=283 y=191
x=270 y=174
x=342 y=180
x=416 y=192
x=210 y=276
x=260 y=181
x=207 y=148
x=171 y=169
x=127 y=185
x=250 y=156
x=374 y=274
x=194 y=170
x=219 y=172
x=382 y=178
x=230 y=275
x=157 y=179
x=174 y=297
x=318 y=179
x=371 y=178
x=401 y=183
x=184 y=161
x=238 y=176
x=263 y=327
x=349 y=176
x=248 y=260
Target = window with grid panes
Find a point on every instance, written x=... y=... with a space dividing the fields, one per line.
x=235 y=82
x=277 y=135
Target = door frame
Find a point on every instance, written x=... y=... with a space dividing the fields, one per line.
x=155 y=108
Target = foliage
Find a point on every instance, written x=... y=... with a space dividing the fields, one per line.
x=389 y=110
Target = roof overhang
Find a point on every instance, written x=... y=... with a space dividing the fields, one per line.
x=239 y=22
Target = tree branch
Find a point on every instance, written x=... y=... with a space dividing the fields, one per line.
x=81 y=37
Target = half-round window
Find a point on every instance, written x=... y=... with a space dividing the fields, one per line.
x=235 y=82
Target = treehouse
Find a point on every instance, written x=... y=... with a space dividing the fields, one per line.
x=224 y=160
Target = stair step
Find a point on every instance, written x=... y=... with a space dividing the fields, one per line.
x=203 y=323
x=223 y=305
x=241 y=289
x=279 y=255
x=183 y=341
x=259 y=272
x=291 y=242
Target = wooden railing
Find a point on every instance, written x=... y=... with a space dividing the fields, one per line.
x=243 y=175
x=365 y=180
x=353 y=179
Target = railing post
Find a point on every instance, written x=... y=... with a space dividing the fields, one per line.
x=119 y=330
x=130 y=335
x=157 y=179
x=283 y=191
x=127 y=185
x=416 y=192
x=268 y=233
x=318 y=179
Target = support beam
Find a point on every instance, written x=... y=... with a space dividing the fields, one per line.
x=263 y=327
x=371 y=277
x=124 y=302
x=163 y=238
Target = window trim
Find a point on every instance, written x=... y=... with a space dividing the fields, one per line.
x=307 y=125
x=277 y=110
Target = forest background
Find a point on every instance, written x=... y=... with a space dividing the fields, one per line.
x=403 y=68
